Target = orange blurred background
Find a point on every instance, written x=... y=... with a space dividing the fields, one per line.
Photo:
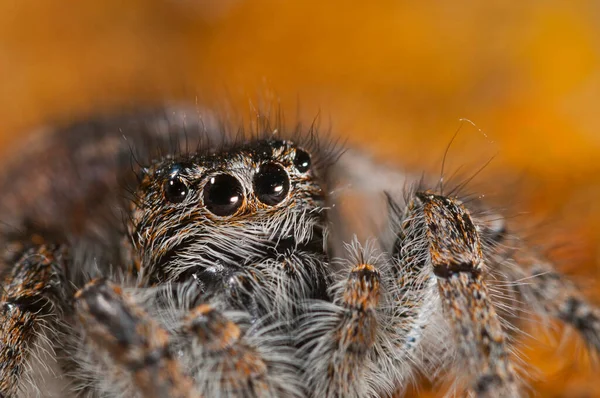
x=394 y=77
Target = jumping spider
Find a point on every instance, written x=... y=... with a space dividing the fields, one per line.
x=142 y=259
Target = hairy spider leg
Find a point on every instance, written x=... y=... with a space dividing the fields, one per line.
x=538 y=287
x=32 y=299
x=227 y=362
x=136 y=344
x=458 y=262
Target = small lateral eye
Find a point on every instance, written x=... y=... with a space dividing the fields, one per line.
x=223 y=195
x=302 y=161
x=271 y=184
x=175 y=189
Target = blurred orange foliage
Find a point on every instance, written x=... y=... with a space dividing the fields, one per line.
x=393 y=76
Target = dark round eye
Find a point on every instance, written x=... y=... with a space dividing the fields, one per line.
x=302 y=161
x=175 y=190
x=223 y=195
x=271 y=184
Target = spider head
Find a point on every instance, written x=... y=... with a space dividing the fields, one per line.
x=210 y=215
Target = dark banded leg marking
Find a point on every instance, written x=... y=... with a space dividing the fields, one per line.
x=457 y=261
x=547 y=291
x=136 y=344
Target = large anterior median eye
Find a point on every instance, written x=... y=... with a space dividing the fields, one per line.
x=271 y=184
x=223 y=195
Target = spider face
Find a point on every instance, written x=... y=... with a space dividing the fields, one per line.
x=210 y=217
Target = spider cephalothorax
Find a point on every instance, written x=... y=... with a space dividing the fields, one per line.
x=212 y=272
x=249 y=214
